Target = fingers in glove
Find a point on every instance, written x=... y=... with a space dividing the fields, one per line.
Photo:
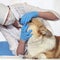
x=29 y=35
x=26 y=27
x=29 y=32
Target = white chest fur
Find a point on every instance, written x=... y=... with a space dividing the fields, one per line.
x=40 y=45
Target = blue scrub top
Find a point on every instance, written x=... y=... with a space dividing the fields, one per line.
x=4 y=49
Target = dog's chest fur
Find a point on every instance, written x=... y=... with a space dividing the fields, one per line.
x=40 y=45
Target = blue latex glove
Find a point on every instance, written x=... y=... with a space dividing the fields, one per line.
x=4 y=49
x=25 y=35
x=28 y=16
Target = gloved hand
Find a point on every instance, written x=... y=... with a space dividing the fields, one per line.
x=25 y=35
x=28 y=16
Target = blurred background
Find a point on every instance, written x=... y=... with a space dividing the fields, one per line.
x=47 y=4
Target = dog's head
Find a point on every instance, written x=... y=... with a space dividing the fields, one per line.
x=38 y=28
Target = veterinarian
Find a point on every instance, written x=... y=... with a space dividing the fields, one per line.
x=18 y=12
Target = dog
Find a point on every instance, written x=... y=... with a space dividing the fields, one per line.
x=43 y=43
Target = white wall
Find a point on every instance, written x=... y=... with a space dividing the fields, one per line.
x=6 y=2
x=46 y=4
x=40 y=3
x=49 y=4
x=57 y=5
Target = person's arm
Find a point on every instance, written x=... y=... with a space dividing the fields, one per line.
x=27 y=17
x=21 y=48
x=16 y=24
x=25 y=35
x=48 y=16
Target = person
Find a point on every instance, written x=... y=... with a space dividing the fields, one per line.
x=18 y=12
x=9 y=27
